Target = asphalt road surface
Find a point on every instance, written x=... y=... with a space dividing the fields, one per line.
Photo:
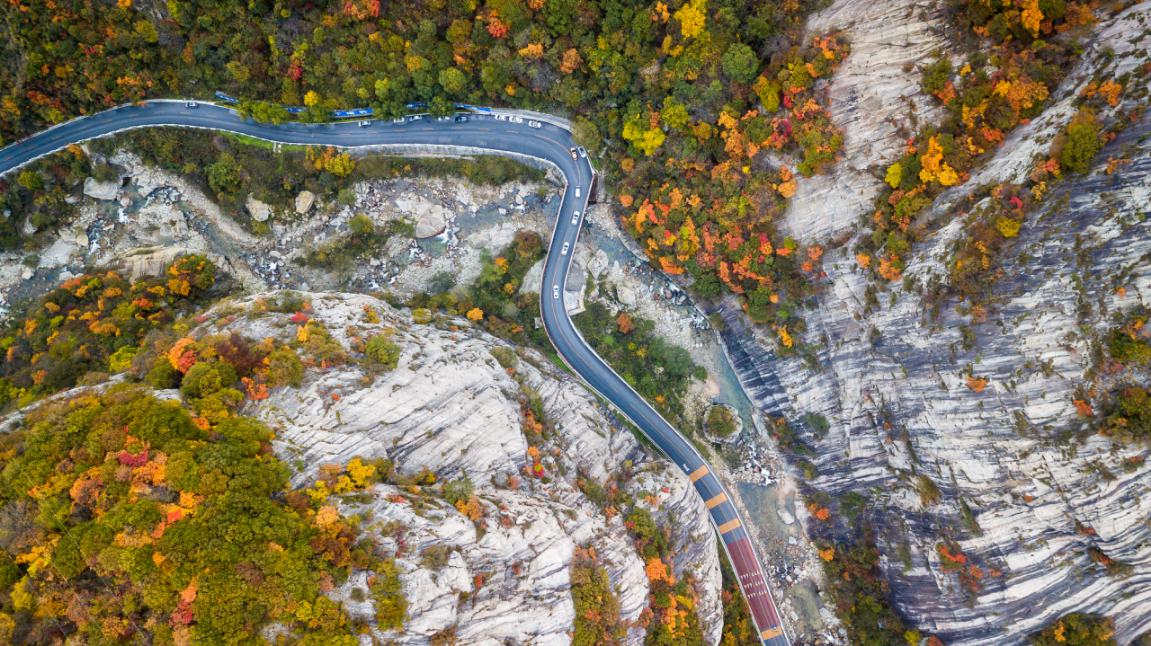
x=499 y=134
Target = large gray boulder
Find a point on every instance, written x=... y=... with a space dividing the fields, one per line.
x=98 y=190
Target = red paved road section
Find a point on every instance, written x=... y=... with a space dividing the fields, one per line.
x=754 y=587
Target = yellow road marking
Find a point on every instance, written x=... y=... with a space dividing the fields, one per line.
x=698 y=473
x=771 y=632
x=729 y=526
x=717 y=500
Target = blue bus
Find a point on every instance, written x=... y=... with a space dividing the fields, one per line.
x=354 y=112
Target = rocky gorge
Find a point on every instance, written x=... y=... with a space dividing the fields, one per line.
x=1019 y=486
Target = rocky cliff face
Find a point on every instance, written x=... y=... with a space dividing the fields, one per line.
x=1021 y=498
x=450 y=407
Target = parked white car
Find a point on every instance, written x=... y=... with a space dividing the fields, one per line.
x=535 y=124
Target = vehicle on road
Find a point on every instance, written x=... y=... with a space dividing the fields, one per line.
x=564 y=250
x=398 y=120
x=575 y=217
x=365 y=123
x=501 y=117
x=578 y=191
x=535 y=124
x=461 y=119
x=582 y=151
x=415 y=117
x=555 y=291
x=573 y=153
x=190 y=104
x=514 y=119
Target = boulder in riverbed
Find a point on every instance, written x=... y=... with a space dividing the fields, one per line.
x=98 y=190
x=259 y=211
x=304 y=202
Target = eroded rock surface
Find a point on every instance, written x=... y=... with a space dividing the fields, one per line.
x=450 y=407
x=1022 y=499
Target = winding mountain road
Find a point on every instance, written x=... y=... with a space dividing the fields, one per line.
x=490 y=134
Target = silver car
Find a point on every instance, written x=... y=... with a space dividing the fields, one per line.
x=535 y=124
x=555 y=291
x=575 y=217
x=564 y=250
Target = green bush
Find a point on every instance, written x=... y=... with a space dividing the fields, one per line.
x=740 y=63
x=1128 y=413
x=382 y=352
x=456 y=491
x=162 y=375
x=935 y=76
x=1081 y=142
x=720 y=421
x=1128 y=344
x=285 y=368
x=597 y=608
x=207 y=378
x=388 y=594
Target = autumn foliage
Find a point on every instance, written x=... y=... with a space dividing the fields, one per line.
x=95 y=323
x=132 y=496
x=983 y=100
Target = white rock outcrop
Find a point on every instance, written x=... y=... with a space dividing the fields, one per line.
x=98 y=190
x=259 y=211
x=1035 y=497
x=304 y=201
x=450 y=407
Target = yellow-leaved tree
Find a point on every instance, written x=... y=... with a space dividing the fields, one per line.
x=692 y=18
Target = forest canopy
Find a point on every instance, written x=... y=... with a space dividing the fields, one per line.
x=720 y=95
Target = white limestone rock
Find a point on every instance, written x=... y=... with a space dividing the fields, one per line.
x=259 y=211
x=450 y=407
x=897 y=404
x=98 y=190
x=304 y=202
